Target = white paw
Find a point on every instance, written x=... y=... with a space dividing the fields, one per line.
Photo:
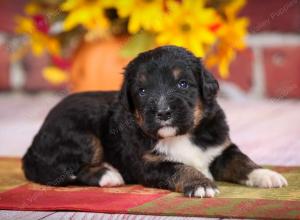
x=265 y=178
x=111 y=178
x=206 y=192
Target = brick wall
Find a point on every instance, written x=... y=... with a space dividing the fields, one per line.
x=268 y=67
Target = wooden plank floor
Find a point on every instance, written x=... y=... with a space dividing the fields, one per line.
x=22 y=215
x=267 y=130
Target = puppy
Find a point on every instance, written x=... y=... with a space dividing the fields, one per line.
x=164 y=129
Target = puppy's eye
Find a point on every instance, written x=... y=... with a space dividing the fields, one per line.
x=182 y=84
x=142 y=91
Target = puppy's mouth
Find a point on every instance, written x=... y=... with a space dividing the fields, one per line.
x=167 y=131
x=165 y=123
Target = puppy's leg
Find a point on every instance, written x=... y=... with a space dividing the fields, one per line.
x=100 y=175
x=234 y=166
x=177 y=177
x=73 y=158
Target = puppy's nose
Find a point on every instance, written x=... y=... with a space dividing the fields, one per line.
x=164 y=114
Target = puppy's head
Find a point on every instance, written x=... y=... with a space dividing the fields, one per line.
x=167 y=90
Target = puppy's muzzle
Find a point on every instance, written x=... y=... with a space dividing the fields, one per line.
x=164 y=114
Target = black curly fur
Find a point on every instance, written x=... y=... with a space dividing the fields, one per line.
x=120 y=128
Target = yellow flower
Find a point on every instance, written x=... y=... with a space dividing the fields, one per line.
x=32 y=9
x=143 y=14
x=90 y=14
x=233 y=8
x=231 y=36
x=188 y=24
x=38 y=40
x=55 y=75
x=222 y=57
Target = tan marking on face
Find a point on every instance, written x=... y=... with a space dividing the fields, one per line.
x=139 y=118
x=176 y=73
x=142 y=78
x=198 y=113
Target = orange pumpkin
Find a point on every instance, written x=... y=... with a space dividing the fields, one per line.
x=98 y=65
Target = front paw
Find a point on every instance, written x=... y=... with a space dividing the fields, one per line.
x=265 y=178
x=203 y=188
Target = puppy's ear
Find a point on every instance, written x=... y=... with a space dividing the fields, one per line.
x=125 y=97
x=208 y=85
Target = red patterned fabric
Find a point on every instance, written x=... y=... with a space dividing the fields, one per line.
x=234 y=201
x=106 y=200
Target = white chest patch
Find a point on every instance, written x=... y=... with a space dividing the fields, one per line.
x=181 y=149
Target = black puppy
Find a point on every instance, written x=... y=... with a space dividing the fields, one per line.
x=163 y=129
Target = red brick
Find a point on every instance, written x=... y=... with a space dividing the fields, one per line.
x=240 y=71
x=4 y=67
x=275 y=15
x=8 y=10
x=34 y=79
x=282 y=71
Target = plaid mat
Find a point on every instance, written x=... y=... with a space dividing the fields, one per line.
x=234 y=201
